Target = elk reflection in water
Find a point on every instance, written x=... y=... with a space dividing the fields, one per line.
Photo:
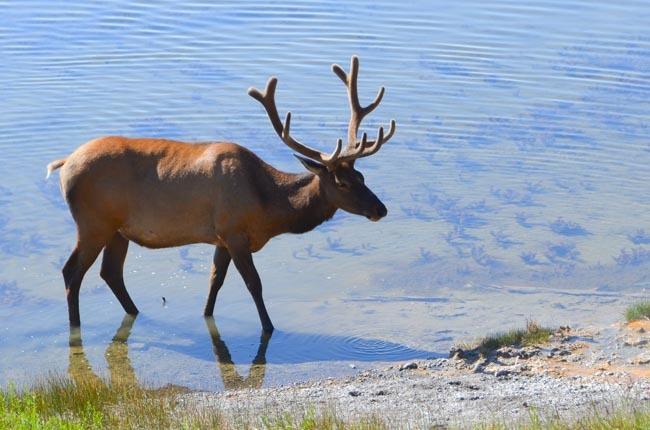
x=232 y=380
x=122 y=374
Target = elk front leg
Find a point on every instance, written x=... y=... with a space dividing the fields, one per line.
x=220 y=263
x=243 y=260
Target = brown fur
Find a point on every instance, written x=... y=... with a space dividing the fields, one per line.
x=161 y=193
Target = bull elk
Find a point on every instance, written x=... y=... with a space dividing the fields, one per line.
x=161 y=193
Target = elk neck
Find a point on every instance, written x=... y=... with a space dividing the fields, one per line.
x=304 y=205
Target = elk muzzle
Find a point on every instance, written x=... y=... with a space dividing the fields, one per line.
x=378 y=212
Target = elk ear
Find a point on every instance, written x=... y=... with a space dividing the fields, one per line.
x=312 y=166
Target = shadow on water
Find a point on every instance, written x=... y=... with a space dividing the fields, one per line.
x=288 y=348
x=291 y=348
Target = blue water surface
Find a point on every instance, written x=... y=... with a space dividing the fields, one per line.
x=516 y=184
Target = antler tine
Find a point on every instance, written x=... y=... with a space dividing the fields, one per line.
x=321 y=157
x=353 y=87
x=372 y=106
x=267 y=99
x=386 y=137
x=376 y=145
x=338 y=70
x=367 y=147
x=351 y=82
x=356 y=149
x=337 y=151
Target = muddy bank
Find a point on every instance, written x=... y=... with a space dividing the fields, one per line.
x=577 y=372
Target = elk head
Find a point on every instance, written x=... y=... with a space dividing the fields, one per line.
x=342 y=184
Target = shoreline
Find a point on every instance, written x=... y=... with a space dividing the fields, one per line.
x=568 y=378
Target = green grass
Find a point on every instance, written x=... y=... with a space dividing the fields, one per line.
x=92 y=403
x=638 y=311
x=621 y=419
x=24 y=411
x=312 y=421
x=532 y=334
x=95 y=404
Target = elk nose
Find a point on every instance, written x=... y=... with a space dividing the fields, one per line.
x=381 y=210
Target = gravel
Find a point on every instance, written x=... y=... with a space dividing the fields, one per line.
x=435 y=394
x=568 y=378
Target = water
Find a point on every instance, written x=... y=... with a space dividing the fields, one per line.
x=516 y=182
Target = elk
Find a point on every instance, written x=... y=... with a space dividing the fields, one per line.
x=160 y=193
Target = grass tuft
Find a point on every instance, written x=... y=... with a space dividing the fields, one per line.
x=619 y=419
x=23 y=411
x=638 y=311
x=310 y=420
x=92 y=403
x=533 y=334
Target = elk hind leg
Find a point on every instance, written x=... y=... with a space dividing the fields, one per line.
x=220 y=263
x=83 y=256
x=112 y=271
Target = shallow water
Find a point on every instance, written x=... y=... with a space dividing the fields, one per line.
x=516 y=182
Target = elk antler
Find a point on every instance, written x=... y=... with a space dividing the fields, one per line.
x=354 y=149
x=357 y=149
x=267 y=99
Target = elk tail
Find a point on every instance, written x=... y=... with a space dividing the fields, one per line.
x=53 y=166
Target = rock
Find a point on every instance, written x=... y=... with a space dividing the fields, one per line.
x=641 y=359
x=461 y=398
x=381 y=393
x=635 y=341
x=501 y=372
x=529 y=351
x=409 y=365
x=512 y=352
x=438 y=362
x=506 y=352
x=557 y=352
x=456 y=353
x=479 y=367
x=354 y=393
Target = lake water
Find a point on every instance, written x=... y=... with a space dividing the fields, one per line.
x=516 y=184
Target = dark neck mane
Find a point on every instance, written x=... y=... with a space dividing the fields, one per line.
x=305 y=207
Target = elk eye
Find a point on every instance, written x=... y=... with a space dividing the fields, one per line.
x=342 y=185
